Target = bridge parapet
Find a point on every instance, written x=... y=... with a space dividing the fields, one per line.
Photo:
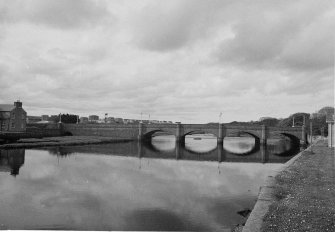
x=243 y=127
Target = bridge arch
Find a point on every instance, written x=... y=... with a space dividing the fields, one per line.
x=256 y=137
x=148 y=135
x=294 y=145
x=191 y=131
x=254 y=149
x=195 y=132
x=199 y=132
x=294 y=139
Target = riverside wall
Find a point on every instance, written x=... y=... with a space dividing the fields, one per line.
x=122 y=131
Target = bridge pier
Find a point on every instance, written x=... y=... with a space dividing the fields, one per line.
x=179 y=151
x=141 y=132
x=140 y=149
x=264 y=135
x=264 y=154
x=221 y=154
x=222 y=134
x=180 y=139
x=303 y=140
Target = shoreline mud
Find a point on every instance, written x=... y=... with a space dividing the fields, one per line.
x=61 y=141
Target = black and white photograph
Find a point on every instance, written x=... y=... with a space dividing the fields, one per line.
x=167 y=115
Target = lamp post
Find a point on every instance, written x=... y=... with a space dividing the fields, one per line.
x=293 y=122
x=220 y=115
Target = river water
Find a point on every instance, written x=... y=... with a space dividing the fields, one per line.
x=133 y=186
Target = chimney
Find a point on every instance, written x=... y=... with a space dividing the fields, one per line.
x=18 y=104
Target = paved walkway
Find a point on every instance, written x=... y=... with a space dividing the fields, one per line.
x=303 y=195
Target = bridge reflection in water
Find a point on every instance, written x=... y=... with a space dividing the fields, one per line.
x=246 y=151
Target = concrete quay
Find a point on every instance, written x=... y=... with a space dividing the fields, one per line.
x=300 y=196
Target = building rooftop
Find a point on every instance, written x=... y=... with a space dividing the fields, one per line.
x=6 y=107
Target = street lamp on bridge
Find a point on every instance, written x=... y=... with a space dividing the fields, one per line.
x=293 y=122
x=311 y=131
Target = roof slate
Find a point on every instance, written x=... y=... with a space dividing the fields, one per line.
x=6 y=107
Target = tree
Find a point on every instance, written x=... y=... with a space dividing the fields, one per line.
x=298 y=120
x=269 y=122
x=327 y=110
x=66 y=118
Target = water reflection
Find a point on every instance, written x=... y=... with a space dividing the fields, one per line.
x=165 y=147
x=86 y=191
x=134 y=186
x=11 y=160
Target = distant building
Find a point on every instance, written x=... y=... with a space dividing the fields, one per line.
x=13 y=117
x=118 y=120
x=110 y=120
x=45 y=117
x=93 y=118
x=101 y=120
x=128 y=121
x=83 y=119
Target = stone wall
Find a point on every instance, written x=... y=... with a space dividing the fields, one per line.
x=106 y=130
x=40 y=132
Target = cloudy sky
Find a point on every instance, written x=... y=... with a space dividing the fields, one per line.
x=180 y=60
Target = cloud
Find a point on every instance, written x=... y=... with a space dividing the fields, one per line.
x=296 y=36
x=170 y=25
x=61 y=14
x=176 y=60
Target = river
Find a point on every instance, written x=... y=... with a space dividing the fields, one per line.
x=132 y=186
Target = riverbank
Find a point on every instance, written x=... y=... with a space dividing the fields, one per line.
x=60 y=141
x=301 y=197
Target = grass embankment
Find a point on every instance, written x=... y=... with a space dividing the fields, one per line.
x=61 y=141
x=305 y=194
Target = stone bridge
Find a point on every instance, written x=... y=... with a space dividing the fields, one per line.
x=144 y=132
